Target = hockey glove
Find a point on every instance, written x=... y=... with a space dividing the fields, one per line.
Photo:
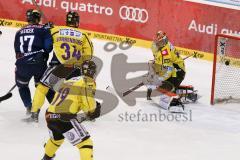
x=96 y=112
x=48 y=25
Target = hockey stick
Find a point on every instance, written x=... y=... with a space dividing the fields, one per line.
x=111 y=90
x=8 y=94
x=130 y=90
x=165 y=84
x=188 y=56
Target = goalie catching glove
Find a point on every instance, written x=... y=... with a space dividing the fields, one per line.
x=156 y=74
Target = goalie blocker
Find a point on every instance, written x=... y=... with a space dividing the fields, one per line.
x=165 y=96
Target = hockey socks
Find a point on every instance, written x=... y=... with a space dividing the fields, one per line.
x=52 y=146
x=39 y=97
x=86 y=149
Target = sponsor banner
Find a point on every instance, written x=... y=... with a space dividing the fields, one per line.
x=188 y=25
x=230 y=2
x=195 y=54
x=115 y=38
x=11 y=23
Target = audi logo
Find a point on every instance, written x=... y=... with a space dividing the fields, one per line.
x=133 y=14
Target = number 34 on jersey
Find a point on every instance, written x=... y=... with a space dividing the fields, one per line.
x=70 y=45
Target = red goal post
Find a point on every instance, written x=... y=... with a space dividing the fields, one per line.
x=226 y=69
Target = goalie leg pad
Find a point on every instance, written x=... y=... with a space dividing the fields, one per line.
x=187 y=93
x=192 y=96
x=165 y=98
x=169 y=101
x=176 y=106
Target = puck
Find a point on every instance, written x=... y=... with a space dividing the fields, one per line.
x=0 y=32
x=107 y=87
x=227 y=62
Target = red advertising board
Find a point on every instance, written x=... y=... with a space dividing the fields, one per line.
x=188 y=25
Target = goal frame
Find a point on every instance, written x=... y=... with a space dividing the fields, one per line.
x=215 y=61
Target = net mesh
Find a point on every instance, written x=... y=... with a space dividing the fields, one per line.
x=227 y=76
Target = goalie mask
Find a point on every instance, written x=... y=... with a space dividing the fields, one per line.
x=89 y=69
x=72 y=19
x=161 y=39
x=33 y=16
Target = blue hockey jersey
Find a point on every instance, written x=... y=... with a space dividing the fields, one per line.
x=32 y=44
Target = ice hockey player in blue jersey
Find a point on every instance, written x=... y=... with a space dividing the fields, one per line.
x=32 y=45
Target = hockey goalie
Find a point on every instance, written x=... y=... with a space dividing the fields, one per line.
x=166 y=73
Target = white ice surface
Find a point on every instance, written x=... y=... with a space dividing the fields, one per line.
x=212 y=133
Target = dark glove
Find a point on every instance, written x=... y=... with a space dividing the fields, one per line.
x=81 y=117
x=96 y=112
x=48 y=25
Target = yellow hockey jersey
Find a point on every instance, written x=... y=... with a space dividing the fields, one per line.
x=75 y=95
x=167 y=59
x=70 y=45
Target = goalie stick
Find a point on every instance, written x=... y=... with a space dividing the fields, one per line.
x=111 y=90
x=130 y=90
x=188 y=56
x=8 y=94
x=165 y=85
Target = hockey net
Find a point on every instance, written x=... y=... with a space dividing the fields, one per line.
x=226 y=70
